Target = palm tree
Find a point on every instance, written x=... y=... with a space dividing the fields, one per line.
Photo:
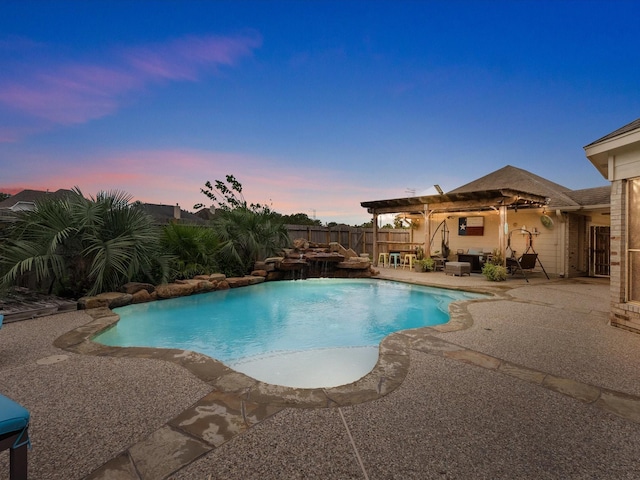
x=82 y=246
x=247 y=235
x=193 y=249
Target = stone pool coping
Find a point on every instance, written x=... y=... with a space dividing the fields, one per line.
x=236 y=402
x=387 y=375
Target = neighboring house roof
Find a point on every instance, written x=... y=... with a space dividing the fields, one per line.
x=518 y=179
x=205 y=214
x=25 y=200
x=166 y=213
x=30 y=196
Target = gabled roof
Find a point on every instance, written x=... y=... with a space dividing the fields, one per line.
x=30 y=196
x=518 y=179
x=629 y=127
x=619 y=142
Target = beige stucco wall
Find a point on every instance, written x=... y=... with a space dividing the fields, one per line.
x=548 y=243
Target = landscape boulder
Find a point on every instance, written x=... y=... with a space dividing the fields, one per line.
x=173 y=290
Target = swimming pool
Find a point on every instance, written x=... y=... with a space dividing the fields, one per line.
x=311 y=333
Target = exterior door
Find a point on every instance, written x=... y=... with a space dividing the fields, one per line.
x=600 y=251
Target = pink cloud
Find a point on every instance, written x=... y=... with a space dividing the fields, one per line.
x=78 y=92
x=69 y=94
x=183 y=59
x=176 y=176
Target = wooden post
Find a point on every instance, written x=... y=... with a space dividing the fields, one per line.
x=375 y=238
x=427 y=232
x=502 y=234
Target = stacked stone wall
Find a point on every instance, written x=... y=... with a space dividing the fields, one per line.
x=623 y=314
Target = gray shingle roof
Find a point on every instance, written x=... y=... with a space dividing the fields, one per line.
x=31 y=196
x=164 y=214
x=514 y=178
x=592 y=196
x=626 y=128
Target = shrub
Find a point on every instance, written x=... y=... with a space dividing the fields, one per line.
x=494 y=273
x=496 y=257
x=426 y=264
x=193 y=250
x=79 y=246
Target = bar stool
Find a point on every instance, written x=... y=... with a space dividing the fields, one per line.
x=394 y=258
x=408 y=259
x=384 y=259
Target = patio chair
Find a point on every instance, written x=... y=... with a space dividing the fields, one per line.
x=526 y=262
x=14 y=435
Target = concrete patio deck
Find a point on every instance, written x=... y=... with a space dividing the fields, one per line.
x=530 y=384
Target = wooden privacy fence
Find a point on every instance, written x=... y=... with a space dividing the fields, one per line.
x=357 y=238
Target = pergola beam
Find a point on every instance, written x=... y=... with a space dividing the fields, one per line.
x=499 y=200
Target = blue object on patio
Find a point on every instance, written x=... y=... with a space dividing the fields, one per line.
x=394 y=258
x=14 y=434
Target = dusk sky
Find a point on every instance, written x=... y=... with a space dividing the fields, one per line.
x=313 y=106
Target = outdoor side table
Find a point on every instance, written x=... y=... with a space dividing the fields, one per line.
x=14 y=435
x=457 y=268
x=439 y=263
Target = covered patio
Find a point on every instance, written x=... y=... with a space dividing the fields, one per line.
x=511 y=212
x=421 y=211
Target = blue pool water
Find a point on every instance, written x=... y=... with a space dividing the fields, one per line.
x=311 y=333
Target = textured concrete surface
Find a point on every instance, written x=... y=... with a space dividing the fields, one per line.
x=531 y=383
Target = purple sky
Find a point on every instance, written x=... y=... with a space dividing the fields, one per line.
x=313 y=106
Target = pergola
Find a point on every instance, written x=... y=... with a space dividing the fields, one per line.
x=499 y=200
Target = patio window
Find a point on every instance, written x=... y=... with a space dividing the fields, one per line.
x=633 y=239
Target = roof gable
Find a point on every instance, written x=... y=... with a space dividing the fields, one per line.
x=629 y=127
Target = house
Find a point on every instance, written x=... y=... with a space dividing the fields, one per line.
x=26 y=200
x=163 y=214
x=617 y=158
x=512 y=211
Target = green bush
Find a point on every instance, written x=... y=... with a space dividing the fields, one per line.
x=496 y=257
x=193 y=250
x=76 y=246
x=494 y=273
x=425 y=265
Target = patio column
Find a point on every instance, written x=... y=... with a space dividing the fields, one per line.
x=427 y=232
x=375 y=238
x=502 y=234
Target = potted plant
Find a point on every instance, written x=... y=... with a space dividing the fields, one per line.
x=493 y=269
x=425 y=265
